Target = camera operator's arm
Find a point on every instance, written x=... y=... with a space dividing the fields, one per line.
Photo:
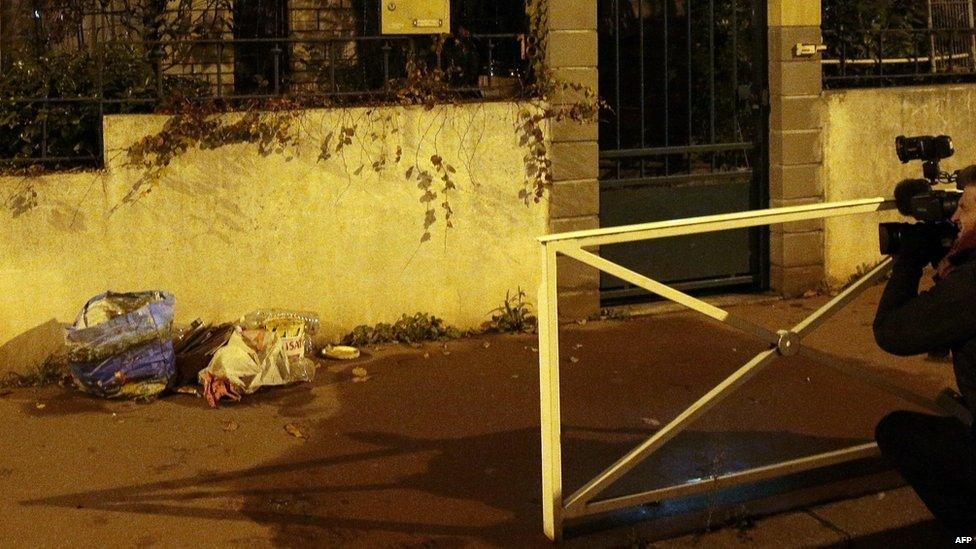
x=908 y=322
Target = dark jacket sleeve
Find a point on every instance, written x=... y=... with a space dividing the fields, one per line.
x=911 y=323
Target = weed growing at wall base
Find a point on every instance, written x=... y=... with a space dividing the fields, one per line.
x=51 y=372
x=512 y=316
x=408 y=329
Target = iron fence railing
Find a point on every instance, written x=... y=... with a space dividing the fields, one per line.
x=897 y=57
x=52 y=102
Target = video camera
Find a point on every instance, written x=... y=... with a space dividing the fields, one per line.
x=916 y=198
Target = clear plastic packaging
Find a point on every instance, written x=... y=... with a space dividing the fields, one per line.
x=295 y=328
x=260 y=317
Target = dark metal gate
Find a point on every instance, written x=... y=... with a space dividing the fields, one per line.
x=260 y=65
x=686 y=136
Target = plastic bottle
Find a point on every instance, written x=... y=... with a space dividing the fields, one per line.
x=258 y=318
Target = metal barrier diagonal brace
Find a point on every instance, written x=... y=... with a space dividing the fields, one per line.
x=782 y=343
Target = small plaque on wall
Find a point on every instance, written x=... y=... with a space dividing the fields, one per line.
x=416 y=16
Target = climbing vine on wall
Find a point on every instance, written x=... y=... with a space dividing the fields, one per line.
x=280 y=126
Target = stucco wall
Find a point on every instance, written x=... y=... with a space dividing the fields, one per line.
x=230 y=230
x=860 y=127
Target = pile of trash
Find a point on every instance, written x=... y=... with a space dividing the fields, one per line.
x=267 y=347
x=120 y=346
x=123 y=345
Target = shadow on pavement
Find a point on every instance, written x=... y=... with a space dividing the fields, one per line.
x=442 y=445
x=481 y=488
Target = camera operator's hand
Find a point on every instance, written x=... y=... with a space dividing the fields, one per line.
x=938 y=255
x=920 y=246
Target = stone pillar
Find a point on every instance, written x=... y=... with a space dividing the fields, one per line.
x=795 y=149
x=575 y=204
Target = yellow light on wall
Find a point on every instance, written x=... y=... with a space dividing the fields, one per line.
x=416 y=17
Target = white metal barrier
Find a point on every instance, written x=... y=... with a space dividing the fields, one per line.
x=786 y=342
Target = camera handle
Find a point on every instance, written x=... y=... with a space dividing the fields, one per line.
x=933 y=172
x=946 y=178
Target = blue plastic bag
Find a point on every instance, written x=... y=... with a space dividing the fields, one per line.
x=120 y=344
x=112 y=322
x=141 y=371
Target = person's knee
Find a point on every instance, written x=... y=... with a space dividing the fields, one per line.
x=892 y=429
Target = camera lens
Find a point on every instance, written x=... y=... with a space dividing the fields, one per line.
x=906 y=148
x=949 y=204
x=923 y=147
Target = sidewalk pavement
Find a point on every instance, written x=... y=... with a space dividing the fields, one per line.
x=439 y=444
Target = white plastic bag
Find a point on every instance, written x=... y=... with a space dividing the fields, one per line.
x=246 y=363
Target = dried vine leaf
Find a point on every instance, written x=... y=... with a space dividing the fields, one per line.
x=296 y=431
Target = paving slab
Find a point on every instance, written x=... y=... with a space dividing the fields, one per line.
x=874 y=514
x=789 y=529
x=894 y=518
